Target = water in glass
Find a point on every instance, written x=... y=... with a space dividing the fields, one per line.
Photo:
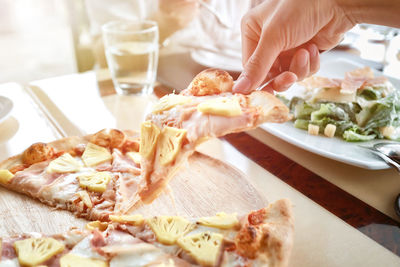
x=133 y=65
x=132 y=55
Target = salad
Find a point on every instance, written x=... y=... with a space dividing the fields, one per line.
x=359 y=107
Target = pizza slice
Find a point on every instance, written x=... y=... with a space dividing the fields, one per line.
x=180 y=122
x=260 y=238
x=90 y=176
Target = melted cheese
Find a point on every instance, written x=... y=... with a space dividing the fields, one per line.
x=72 y=238
x=333 y=95
x=62 y=190
x=9 y=263
x=84 y=249
x=202 y=125
x=32 y=178
x=141 y=254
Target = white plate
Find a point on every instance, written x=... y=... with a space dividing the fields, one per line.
x=230 y=60
x=333 y=148
x=6 y=106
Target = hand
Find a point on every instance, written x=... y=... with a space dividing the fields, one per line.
x=281 y=39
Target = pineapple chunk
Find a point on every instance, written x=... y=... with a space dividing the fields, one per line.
x=84 y=196
x=34 y=251
x=96 y=181
x=149 y=133
x=169 y=101
x=136 y=219
x=169 y=228
x=101 y=226
x=221 y=220
x=135 y=156
x=170 y=144
x=94 y=155
x=72 y=260
x=221 y=106
x=203 y=247
x=5 y=176
x=63 y=164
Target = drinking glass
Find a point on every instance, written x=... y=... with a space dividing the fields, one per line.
x=131 y=49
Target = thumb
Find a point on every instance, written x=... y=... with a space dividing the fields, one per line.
x=258 y=65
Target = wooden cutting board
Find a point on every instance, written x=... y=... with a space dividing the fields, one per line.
x=203 y=187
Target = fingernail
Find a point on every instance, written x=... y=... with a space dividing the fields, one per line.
x=287 y=85
x=312 y=49
x=315 y=51
x=289 y=82
x=302 y=60
x=242 y=85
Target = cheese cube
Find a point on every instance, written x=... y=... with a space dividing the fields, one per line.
x=313 y=129
x=330 y=130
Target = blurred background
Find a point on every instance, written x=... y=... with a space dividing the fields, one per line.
x=35 y=40
x=45 y=38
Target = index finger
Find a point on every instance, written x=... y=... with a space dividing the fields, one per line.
x=259 y=63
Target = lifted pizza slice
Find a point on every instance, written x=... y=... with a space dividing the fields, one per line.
x=206 y=109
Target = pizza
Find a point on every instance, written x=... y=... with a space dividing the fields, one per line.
x=114 y=171
x=260 y=238
x=179 y=122
x=90 y=176
x=104 y=176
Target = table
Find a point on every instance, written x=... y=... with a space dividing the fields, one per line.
x=343 y=214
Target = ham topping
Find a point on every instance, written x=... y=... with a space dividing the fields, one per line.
x=97 y=240
x=8 y=251
x=33 y=178
x=122 y=163
x=320 y=82
x=353 y=80
x=357 y=79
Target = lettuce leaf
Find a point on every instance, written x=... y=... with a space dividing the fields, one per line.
x=352 y=136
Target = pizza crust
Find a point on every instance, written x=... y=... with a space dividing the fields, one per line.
x=266 y=235
x=278 y=229
x=68 y=144
x=64 y=144
x=210 y=82
x=270 y=108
